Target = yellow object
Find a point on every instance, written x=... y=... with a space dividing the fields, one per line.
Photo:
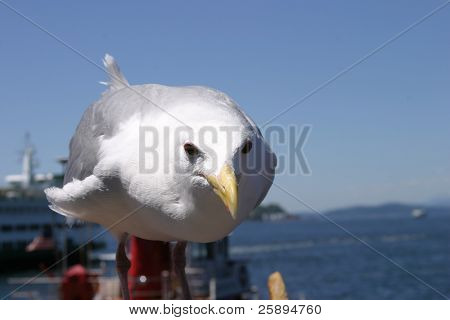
x=277 y=288
x=225 y=186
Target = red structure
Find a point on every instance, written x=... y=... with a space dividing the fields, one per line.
x=78 y=284
x=148 y=261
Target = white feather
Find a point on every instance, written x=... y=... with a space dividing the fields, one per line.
x=117 y=80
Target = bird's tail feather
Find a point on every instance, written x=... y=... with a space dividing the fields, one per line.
x=70 y=220
x=116 y=78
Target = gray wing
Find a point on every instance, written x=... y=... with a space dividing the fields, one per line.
x=84 y=145
x=96 y=122
x=102 y=120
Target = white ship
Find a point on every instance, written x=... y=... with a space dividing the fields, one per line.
x=31 y=235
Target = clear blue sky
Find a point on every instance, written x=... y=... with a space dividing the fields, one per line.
x=380 y=133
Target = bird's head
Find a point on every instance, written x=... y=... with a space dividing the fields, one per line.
x=212 y=165
x=238 y=168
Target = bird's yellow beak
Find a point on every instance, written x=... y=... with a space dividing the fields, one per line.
x=225 y=186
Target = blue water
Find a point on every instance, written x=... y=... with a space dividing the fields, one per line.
x=320 y=261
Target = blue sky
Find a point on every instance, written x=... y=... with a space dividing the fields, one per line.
x=380 y=133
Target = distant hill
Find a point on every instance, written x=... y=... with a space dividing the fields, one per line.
x=352 y=212
x=442 y=201
x=386 y=209
x=380 y=209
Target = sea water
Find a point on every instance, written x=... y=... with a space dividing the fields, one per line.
x=376 y=257
x=359 y=257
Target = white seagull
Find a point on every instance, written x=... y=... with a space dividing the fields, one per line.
x=164 y=163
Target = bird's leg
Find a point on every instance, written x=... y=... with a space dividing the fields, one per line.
x=179 y=258
x=123 y=265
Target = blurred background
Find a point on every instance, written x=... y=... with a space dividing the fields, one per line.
x=378 y=148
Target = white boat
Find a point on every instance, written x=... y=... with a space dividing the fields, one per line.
x=31 y=234
x=418 y=213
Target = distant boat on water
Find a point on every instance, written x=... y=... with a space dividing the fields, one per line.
x=418 y=213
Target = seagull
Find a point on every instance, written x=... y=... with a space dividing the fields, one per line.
x=164 y=163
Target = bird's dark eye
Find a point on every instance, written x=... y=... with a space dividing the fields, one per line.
x=247 y=147
x=190 y=149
